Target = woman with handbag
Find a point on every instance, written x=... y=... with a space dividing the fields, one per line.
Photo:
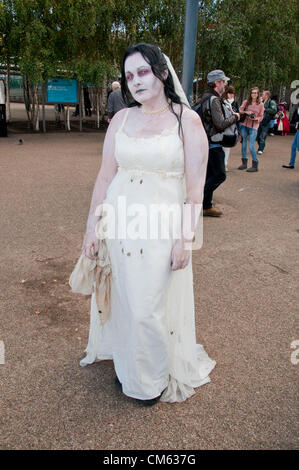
x=252 y=112
x=155 y=153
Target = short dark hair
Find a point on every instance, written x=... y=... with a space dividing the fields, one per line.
x=229 y=89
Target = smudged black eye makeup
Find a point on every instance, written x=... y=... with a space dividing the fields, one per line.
x=143 y=72
x=140 y=73
x=129 y=77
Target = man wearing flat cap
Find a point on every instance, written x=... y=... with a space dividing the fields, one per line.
x=215 y=122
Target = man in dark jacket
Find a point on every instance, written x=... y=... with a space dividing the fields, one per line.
x=269 y=115
x=115 y=100
x=214 y=122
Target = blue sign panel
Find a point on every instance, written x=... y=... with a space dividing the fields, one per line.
x=60 y=90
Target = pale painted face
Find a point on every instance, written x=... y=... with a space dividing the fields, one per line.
x=143 y=85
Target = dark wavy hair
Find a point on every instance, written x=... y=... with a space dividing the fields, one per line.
x=155 y=58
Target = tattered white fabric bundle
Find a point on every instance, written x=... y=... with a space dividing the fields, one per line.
x=94 y=275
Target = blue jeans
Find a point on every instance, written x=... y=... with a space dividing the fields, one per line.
x=251 y=133
x=295 y=147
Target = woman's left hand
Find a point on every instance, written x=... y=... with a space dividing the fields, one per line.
x=179 y=256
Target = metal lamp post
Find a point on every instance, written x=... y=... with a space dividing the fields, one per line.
x=191 y=20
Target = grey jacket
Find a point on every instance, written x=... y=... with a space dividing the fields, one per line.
x=217 y=119
x=115 y=102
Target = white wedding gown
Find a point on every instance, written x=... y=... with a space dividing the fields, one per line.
x=150 y=333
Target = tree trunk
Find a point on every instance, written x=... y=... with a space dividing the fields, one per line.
x=8 y=115
x=82 y=103
x=98 y=108
x=26 y=98
x=68 y=127
x=35 y=116
x=80 y=108
x=43 y=105
x=104 y=97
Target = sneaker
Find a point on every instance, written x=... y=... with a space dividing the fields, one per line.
x=260 y=152
x=212 y=212
x=272 y=135
x=288 y=166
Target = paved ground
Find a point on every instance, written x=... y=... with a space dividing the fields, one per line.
x=246 y=293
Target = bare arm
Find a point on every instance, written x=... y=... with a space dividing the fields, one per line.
x=105 y=176
x=196 y=150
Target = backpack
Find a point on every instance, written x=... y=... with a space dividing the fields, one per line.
x=205 y=115
x=229 y=137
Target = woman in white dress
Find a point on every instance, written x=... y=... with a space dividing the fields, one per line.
x=155 y=152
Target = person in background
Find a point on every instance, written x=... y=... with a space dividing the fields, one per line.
x=216 y=122
x=229 y=98
x=59 y=107
x=254 y=111
x=295 y=144
x=283 y=124
x=269 y=114
x=294 y=118
x=87 y=103
x=272 y=122
x=115 y=100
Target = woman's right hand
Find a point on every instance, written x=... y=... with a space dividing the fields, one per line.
x=90 y=246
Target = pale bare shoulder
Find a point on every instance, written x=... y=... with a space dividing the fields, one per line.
x=117 y=120
x=188 y=115
x=191 y=121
